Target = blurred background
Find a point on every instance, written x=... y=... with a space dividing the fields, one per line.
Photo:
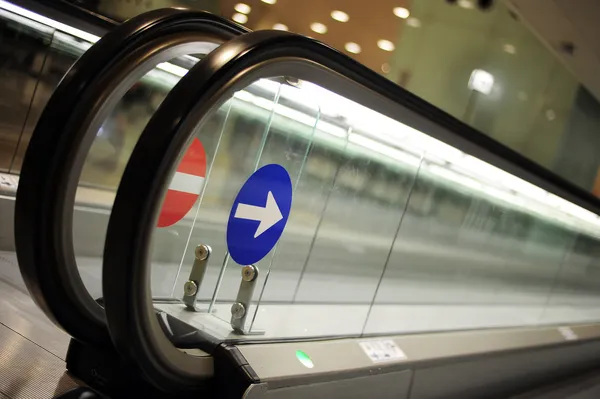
x=511 y=68
x=431 y=47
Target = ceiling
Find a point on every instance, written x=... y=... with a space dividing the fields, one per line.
x=299 y=15
x=568 y=27
x=571 y=28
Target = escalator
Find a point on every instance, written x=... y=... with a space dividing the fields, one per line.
x=291 y=224
x=315 y=295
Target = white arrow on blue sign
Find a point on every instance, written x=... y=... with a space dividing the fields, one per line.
x=259 y=214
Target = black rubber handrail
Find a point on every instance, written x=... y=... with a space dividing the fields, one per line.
x=59 y=145
x=126 y=272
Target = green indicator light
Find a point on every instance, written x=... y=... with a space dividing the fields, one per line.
x=304 y=359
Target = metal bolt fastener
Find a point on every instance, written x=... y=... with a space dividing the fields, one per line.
x=238 y=310
x=249 y=273
x=190 y=288
x=202 y=252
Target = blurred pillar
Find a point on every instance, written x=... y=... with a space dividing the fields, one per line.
x=532 y=96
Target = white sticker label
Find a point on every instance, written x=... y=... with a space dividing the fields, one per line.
x=7 y=181
x=567 y=333
x=384 y=350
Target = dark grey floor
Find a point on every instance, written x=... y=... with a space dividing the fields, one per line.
x=582 y=387
x=32 y=349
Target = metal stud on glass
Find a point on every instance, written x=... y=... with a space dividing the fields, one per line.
x=239 y=309
x=192 y=286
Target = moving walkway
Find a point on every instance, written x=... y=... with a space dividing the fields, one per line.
x=404 y=255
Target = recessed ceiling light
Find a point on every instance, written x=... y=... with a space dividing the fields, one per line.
x=352 y=47
x=269 y=1
x=509 y=48
x=385 y=68
x=481 y=81
x=413 y=22
x=240 y=18
x=385 y=45
x=280 y=27
x=318 y=27
x=401 y=12
x=340 y=16
x=243 y=8
x=468 y=4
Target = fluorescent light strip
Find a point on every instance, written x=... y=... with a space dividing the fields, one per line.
x=297 y=116
x=411 y=141
x=166 y=79
x=263 y=103
x=49 y=22
x=514 y=189
x=402 y=142
x=383 y=149
x=269 y=85
x=165 y=66
x=27 y=22
x=332 y=129
x=172 y=69
x=244 y=96
x=510 y=198
x=449 y=175
x=69 y=40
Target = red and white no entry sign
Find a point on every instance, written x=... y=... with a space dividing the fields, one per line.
x=186 y=186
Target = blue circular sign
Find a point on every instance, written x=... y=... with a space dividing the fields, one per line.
x=259 y=214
